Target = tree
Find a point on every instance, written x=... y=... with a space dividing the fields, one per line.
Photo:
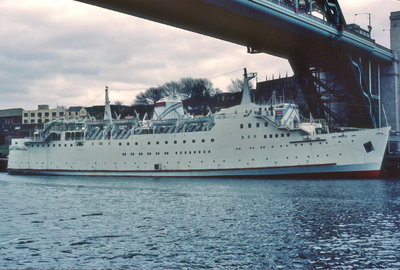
x=197 y=88
x=172 y=88
x=150 y=96
x=186 y=88
x=237 y=85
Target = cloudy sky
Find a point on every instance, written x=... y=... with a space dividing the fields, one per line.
x=63 y=52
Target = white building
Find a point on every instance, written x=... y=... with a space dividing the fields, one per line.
x=43 y=114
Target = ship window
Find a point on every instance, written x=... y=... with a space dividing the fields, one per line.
x=119 y=143
x=270 y=135
x=166 y=142
x=136 y=143
x=203 y=140
x=193 y=141
x=157 y=142
x=368 y=147
x=249 y=125
x=174 y=142
x=266 y=124
x=258 y=125
x=184 y=141
x=148 y=143
x=241 y=125
x=288 y=134
x=282 y=135
x=212 y=140
x=127 y=143
x=276 y=135
x=265 y=136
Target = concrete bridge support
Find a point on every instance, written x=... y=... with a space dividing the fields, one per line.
x=390 y=91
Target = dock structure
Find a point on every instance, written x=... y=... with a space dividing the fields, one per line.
x=391 y=161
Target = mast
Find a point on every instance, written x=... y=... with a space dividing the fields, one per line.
x=107 y=108
x=246 y=97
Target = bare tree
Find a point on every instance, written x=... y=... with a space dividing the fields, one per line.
x=172 y=88
x=237 y=85
x=197 y=88
x=185 y=88
x=150 y=96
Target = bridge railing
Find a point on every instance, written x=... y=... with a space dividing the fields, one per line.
x=312 y=19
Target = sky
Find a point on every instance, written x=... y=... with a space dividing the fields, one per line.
x=64 y=53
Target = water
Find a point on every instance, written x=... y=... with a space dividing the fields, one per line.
x=66 y=222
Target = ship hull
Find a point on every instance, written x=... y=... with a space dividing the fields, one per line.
x=315 y=171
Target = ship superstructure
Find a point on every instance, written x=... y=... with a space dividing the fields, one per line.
x=257 y=140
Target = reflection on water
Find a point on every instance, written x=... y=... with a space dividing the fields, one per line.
x=72 y=222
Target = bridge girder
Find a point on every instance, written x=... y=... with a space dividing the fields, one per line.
x=269 y=27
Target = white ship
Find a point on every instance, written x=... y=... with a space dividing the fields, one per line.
x=247 y=140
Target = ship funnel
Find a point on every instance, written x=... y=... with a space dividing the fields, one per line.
x=246 y=98
x=107 y=108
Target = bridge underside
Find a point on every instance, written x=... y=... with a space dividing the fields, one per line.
x=226 y=20
x=325 y=58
